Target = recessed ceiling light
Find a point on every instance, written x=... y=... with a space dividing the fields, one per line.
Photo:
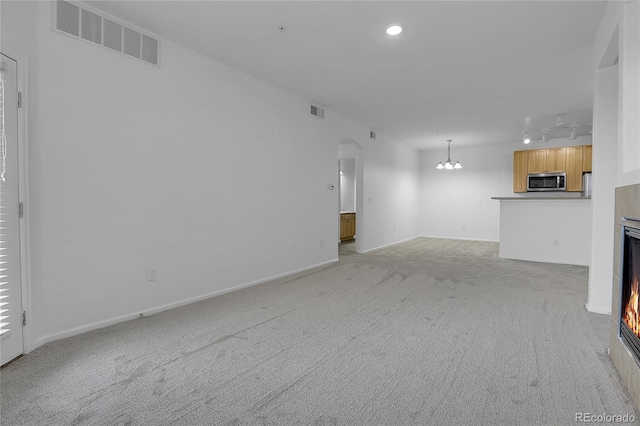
x=394 y=29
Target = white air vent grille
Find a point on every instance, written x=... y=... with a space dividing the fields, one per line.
x=112 y=35
x=318 y=112
x=131 y=42
x=372 y=134
x=68 y=18
x=89 y=25
x=149 y=50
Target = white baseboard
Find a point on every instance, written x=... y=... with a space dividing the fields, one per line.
x=598 y=309
x=459 y=238
x=388 y=245
x=105 y=323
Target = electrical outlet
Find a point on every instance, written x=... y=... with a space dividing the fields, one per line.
x=152 y=274
x=556 y=243
x=394 y=229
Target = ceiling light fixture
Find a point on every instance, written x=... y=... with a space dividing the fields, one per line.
x=448 y=165
x=525 y=138
x=545 y=135
x=394 y=29
x=574 y=133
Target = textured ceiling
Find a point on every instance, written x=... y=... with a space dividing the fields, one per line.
x=477 y=72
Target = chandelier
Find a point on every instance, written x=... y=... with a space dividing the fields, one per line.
x=448 y=165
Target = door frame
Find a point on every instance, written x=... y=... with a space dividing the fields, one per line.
x=23 y=192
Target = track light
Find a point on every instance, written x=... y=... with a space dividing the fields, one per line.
x=559 y=122
x=545 y=135
x=574 y=133
x=525 y=138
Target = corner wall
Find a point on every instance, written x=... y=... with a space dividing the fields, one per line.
x=616 y=143
x=217 y=179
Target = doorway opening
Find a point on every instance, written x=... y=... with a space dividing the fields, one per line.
x=350 y=205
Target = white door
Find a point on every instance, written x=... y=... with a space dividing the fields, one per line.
x=11 y=342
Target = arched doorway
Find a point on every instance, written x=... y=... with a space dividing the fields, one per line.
x=350 y=149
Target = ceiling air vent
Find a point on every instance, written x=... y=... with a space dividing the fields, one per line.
x=318 y=112
x=90 y=25
x=372 y=134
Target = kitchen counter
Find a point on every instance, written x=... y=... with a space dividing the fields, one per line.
x=546 y=229
x=538 y=198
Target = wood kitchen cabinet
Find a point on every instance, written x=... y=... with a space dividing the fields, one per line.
x=574 y=162
x=347 y=226
x=546 y=160
x=520 y=163
x=586 y=158
x=556 y=159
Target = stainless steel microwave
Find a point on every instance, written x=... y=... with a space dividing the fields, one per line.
x=546 y=182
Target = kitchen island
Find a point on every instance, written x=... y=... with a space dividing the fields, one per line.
x=550 y=229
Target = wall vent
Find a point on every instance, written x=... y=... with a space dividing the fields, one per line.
x=372 y=134
x=318 y=112
x=89 y=25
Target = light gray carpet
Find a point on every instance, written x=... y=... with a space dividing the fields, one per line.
x=426 y=332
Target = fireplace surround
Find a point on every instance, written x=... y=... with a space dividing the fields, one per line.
x=625 y=342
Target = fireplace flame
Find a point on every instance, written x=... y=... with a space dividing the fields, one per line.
x=631 y=315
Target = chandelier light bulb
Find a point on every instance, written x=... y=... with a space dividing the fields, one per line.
x=448 y=165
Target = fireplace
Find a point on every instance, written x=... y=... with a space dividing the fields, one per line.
x=624 y=346
x=629 y=316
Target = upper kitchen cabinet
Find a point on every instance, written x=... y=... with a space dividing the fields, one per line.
x=547 y=160
x=572 y=160
x=586 y=158
x=520 y=159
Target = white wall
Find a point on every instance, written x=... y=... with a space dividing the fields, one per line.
x=616 y=143
x=629 y=94
x=605 y=151
x=216 y=178
x=391 y=194
x=387 y=185
x=457 y=203
x=529 y=230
